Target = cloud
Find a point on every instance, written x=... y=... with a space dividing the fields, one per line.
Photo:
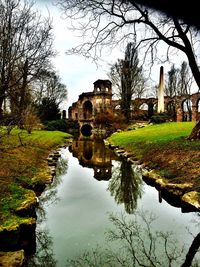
x=77 y=72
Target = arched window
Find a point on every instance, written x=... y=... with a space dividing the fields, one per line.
x=87 y=110
x=171 y=109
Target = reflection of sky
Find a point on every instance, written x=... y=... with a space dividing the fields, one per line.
x=78 y=221
x=81 y=215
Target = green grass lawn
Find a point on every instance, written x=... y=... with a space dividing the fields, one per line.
x=164 y=147
x=52 y=137
x=157 y=134
x=37 y=137
x=23 y=164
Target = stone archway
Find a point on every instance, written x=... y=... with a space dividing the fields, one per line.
x=152 y=108
x=86 y=130
x=144 y=106
x=187 y=110
x=90 y=104
x=87 y=110
x=196 y=110
x=171 y=109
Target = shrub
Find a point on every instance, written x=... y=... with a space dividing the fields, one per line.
x=48 y=110
x=160 y=118
x=30 y=120
x=61 y=125
x=110 y=120
x=8 y=121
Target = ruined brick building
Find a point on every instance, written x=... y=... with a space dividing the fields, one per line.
x=100 y=100
x=92 y=103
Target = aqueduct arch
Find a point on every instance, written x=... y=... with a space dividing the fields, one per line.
x=91 y=104
x=187 y=109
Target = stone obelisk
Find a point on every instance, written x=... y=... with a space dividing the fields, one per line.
x=161 y=92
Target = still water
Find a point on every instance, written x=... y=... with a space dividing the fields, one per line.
x=95 y=191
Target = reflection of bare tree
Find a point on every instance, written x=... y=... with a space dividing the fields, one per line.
x=138 y=244
x=44 y=255
x=62 y=166
x=125 y=186
x=49 y=196
x=44 y=252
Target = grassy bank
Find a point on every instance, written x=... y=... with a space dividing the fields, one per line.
x=23 y=167
x=164 y=147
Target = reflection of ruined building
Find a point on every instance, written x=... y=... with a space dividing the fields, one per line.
x=93 y=155
x=90 y=104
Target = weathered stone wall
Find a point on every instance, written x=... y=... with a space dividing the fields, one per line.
x=92 y=103
x=100 y=100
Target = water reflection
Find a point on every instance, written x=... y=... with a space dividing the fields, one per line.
x=92 y=153
x=129 y=243
x=125 y=185
x=138 y=243
x=192 y=251
x=44 y=255
x=50 y=196
x=136 y=239
x=124 y=181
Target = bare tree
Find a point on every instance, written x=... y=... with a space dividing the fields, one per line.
x=49 y=85
x=30 y=120
x=25 y=47
x=184 y=11
x=109 y=22
x=127 y=76
x=171 y=82
x=179 y=81
x=185 y=80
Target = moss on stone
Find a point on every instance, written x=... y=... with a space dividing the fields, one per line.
x=13 y=223
x=12 y=259
x=192 y=198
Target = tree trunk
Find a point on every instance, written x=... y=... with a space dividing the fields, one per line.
x=1 y=106
x=3 y=90
x=195 y=134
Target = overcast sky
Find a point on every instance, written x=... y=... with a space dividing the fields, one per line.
x=76 y=72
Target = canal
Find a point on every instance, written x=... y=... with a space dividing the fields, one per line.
x=99 y=212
